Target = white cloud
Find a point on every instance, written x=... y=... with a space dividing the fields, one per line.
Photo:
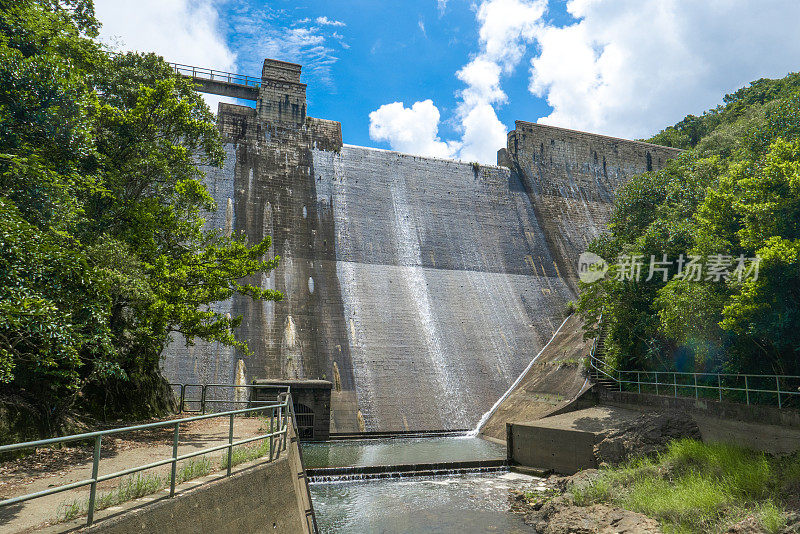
x=442 y=6
x=183 y=31
x=629 y=68
x=421 y=24
x=505 y=27
x=272 y=33
x=413 y=130
x=325 y=21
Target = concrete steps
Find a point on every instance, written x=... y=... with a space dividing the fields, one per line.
x=597 y=377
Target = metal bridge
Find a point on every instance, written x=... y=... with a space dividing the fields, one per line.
x=219 y=82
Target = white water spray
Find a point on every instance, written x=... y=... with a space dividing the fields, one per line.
x=474 y=432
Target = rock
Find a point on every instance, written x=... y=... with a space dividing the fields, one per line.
x=748 y=525
x=792 y=523
x=561 y=516
x=647 y=434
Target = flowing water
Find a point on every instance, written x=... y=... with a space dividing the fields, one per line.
x=395 y=451
x=476 y=502
x=468 y=502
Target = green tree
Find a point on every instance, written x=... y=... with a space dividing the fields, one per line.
x=105 y=252
x=735 y=194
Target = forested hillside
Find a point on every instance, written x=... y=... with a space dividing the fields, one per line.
x=103 y=251
x=730 y=206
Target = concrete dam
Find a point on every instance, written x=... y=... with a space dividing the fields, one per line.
x=420 y=287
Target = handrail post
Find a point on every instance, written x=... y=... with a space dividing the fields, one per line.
x=286 y=422
x=95 y=471
x=656 y=382
x=638 y=381
x=173 y=476
x=746 y=390
x=778 y=389
x=271 y=432
x=183 y=398
x=696 y=392
x=719 y=386
x=675 y=383
x=230 y=446
x=203 y=399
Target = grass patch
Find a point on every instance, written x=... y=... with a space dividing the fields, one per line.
x=698 y=487
x=243 y=454
x=135 y=486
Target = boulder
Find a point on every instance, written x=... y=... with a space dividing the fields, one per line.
x=561 y=516
x=647 y=434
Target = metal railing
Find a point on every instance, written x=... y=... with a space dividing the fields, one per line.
x=280 y=412
x=215 y=75
x=208 y=395
x=784 y=390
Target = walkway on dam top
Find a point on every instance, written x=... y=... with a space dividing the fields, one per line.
x=54 y=467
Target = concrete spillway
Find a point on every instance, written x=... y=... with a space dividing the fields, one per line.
x=420 y=287
x=445 y=279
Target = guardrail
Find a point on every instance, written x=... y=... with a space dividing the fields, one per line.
x=280 y=411
x=207 y=395
x=784 y=390
x=207 y=401
x=215 y=75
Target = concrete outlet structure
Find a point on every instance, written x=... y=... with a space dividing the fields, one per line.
x=312 y=404
x=419 y=287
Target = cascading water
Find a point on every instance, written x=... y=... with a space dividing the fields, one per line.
x=485 y=417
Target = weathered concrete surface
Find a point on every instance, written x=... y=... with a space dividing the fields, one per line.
x=217 y=87
x=440 y=269
x=572 y=178
x=420 y=287
x=565 y=442
x=555 y=379
x=311 y=400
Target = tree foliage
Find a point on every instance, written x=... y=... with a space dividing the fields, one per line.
x=104 y=251
x=735 y=193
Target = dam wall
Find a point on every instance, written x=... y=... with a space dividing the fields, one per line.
x=572 y=178
x=420 y=287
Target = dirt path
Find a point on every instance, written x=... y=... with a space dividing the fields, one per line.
x=49 y=468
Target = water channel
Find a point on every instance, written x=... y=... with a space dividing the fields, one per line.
x=469 y=502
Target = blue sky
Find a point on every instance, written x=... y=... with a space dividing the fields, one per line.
x=398 y=51
x=449 y=77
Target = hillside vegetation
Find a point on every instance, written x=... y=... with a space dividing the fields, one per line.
x=734 y=195
x=103 y=250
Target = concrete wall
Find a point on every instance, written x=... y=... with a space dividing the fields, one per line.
x=420 y=287
x=313 y=395
x=267 y=497
x=572 y=178
x=555 y=379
